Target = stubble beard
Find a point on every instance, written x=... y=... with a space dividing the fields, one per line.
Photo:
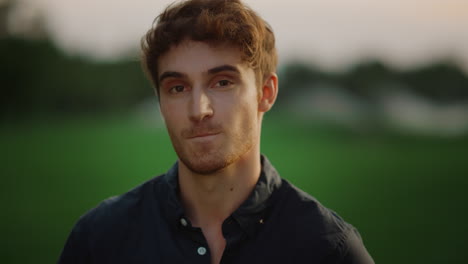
x=211 y=159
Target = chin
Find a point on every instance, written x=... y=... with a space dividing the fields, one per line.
x=206 y=163
x=209 y=162
x=209 y=158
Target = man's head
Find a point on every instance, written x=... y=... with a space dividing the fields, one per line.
x=213 y=63
x=215 y=22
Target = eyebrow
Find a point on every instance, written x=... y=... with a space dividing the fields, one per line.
x=218 y=69
x=223 y=68
x=170 y=74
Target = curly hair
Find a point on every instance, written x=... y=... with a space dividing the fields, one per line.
x=216 y=22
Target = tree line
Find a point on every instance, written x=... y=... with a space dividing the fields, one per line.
x=36 y=77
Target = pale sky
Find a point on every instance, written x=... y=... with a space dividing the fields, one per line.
x=330 y=33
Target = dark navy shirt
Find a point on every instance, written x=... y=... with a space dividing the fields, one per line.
x=278 y=223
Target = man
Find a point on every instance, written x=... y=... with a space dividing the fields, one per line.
x=213 y=64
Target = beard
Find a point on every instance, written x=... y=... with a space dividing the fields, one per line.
x=211 y=157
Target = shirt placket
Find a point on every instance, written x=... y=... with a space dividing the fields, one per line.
x=195 y=244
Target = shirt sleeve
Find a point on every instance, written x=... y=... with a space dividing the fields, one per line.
x=354 y=250
x=351 y=250
x=76 y=249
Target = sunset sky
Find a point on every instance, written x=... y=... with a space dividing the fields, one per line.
x=330 y=33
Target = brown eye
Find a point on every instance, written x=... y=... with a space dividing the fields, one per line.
x=177 y=89
x=223 y=83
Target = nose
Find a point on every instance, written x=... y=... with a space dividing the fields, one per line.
x=200 y=107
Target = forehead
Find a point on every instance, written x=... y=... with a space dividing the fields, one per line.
x=192 y=57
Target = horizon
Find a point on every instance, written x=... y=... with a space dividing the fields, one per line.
x=399 y=33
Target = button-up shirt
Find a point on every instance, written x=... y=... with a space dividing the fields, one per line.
x=278 y=223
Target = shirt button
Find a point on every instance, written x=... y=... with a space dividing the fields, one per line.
x=201 y=251
x=183 y=222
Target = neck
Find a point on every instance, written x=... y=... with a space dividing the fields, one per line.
x=210 y=199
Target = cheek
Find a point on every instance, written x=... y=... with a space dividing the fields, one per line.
x=244 y=98
x=249 y=105
x=243 y=114
x=170 y=115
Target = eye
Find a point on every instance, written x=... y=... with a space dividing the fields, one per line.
x=223 y=83
x=177 y=89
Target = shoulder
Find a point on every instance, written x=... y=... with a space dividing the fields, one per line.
x=126 y=203
x=309 y=211
x=109 y=223
x=118 y=211
x=314 y=225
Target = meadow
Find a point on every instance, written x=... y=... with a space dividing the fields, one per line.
x=405 y=193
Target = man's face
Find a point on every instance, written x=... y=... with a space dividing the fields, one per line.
x=208 y=98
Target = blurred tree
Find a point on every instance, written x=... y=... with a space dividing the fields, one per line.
x=298 y=77
x=364 y=79
x=442 y=82
x=5 y=7
x=37 y=77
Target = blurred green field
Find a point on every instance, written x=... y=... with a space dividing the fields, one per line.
x=405 y=194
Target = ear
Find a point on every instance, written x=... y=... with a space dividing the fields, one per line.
x=269 y=93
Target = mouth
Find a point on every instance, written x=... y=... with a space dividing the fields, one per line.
x=204 y=135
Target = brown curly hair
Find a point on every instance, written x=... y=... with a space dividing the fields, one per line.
x=216 y=22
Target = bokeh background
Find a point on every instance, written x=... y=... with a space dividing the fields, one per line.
x=372 y=117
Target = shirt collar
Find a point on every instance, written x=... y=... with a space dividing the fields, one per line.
x=251 y=210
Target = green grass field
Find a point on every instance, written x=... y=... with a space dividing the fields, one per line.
x=405 y=194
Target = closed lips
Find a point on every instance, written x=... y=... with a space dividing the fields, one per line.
x=204 y=135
